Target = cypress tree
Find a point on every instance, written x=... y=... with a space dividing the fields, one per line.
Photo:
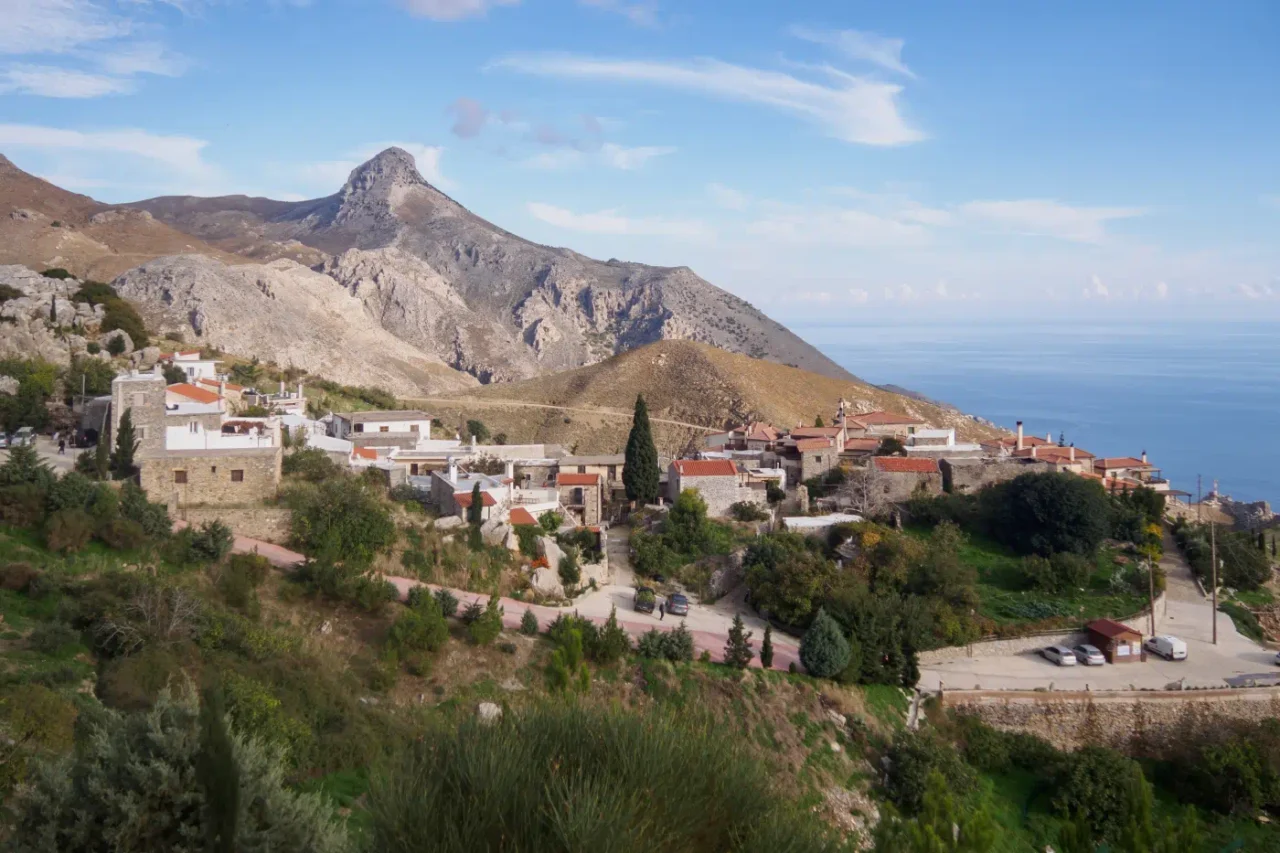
x=102 y=459
x=640 y=473
x=1273 y=546
x=766 y=647
x=824 y=651
x=1262 y=542
x=817 y=422
x=218 y=774
x=737 y=652
x=475 y=512
x=126 y=446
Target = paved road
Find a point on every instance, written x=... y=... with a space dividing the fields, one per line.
x=1187 y=615
x=708 y=625
x=49 y=453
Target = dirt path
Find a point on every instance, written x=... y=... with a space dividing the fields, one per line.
x=608 y=413
x=708 y=627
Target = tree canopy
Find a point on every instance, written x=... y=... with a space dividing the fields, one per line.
x=640 y=474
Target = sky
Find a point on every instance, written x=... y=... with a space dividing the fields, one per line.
x=824 y=160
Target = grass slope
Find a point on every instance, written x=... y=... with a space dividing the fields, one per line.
x=683 y=381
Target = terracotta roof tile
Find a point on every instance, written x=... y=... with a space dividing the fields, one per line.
x=364 y=453
x=214 y=383
x=1121 y=462
x=463 y=499
x=807 y=444
x=191 y=392
x=520 y=516
x=900 y=465
x=569 y=479
x=705 y=468
x=1111 y=629
x=815 y=432
x=864 y=444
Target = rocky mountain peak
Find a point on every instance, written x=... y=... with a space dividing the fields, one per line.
x=389 y=170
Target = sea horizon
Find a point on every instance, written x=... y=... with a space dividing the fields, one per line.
x=1198 y=397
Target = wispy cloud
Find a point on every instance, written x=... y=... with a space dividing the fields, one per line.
x=849 y=108
x=453 y=10
x=180 y=153
x=612 y=222
x=142 y=58
x=728 y=198
x=1049 y=218
x=621 y=157
x=878 y=50
x=642 y=14
x=614 y=156
x=56 y=26
x=49 y=81
x=827 y=226
x=469 y=117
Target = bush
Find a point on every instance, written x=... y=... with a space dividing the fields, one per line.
x=478 y=431
x=824 y=649
x=123 y=316
x=71 y=491
x=68 y=530
x=50 y=638
x=448 y=602
x=1048 y=513
x=153 y=517
x=1096 y=786
x=1057 y=574
x=774 y=493
x=122 y=534
x=675 y=646
x=567 y=668
x=17 y=577
x=915 y=755
x=154 y=770
x=598 y=760
x=420 y=629
x=529 y=624
x=208 y=543
x=570 y=573
x=309 y=463
x=341 y=520
x=550 y=521
x=240 y=580
x=22 y=505
x=748 y=511
x=485 y=629
x=612 y=641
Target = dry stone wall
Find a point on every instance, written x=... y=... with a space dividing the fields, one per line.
x=268 y=523
x=1147 y=723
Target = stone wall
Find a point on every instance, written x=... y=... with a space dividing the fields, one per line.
x=209 y=421
x=143 y=397
x=213 y=477
x=402 y=440
x=1017 y=645
x=970 y=475
x=898 y=487
x=268 y=523
x=815 y=463
x=720 y=493
x=1139 y=722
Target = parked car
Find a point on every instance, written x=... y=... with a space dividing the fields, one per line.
x=1061 y=655
x=645 y=600
x=677 y=604
x=1167 y=647
x=23 y=437
x=4 y=440
x=1089 y=655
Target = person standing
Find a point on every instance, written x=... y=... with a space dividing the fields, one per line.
x=662 y=611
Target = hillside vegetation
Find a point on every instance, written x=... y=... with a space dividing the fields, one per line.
x=690 y=383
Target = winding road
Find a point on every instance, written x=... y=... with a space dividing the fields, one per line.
x=608 y=413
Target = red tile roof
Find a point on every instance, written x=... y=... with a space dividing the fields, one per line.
x=900 y=465
x=521 y=516
x=364 y=453
x=705 y=468
x=815 y=432
x=1052 y=452
x=230 y=386
x=191 y=392
x=577 y=479
x=885 y=419
x=807 y=444
x=864 y=444
x=1011 y=442
x=762 y=432
x=1121 y=462
x=463 y=499
x=1110 y=629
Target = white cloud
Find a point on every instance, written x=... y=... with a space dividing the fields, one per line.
x=849 y=108
x=51 y=82
x=1162 y=290
x=643 y=13
x=728 y=198
x=469 y=117
x=180 y=153
x=940 y=290
x=611 y=222
x=863 y=46
x=1096 y=289
x=452 y=10
x=1049 y=218
x=55 y=26
x=1249 y=291
x=142 y=58
x=858 y=296
x=1272 y=201
x=620 y=157
x=556 y=160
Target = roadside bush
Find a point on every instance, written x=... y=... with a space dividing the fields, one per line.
x=208 y=543
x=71 y=491
x=1234 y=772
x=484 y=629
x=599 y=759
x=567 y=668
x=152 y=516
x=1100 y=787
x=309 y=463
x=824 y=649
x=68 y=530
x=529 y=624
x=913 y=756
x=448 y=602
x=342 y=520
x=675 y=646
x=419 y=629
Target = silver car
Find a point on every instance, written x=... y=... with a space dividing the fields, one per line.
x=1061 y=655
x=23 y=437
x=1089 y=655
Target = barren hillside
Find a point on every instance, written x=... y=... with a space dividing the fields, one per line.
x=690 y=388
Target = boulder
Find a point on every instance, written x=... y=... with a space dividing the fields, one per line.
x=8 y=385
x=449 y=522
x=494 y=531
x=547 y=582
x=488 y=713
x=110 y=336
x=548 y=548
x=147 y=357
x=598 y=572
x=63 y=312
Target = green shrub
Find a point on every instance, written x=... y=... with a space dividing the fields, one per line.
x=116 y=346
x=254 y=708
x=68 y=530
x=342 y=520
x=1047 y=513
x=152 y=516
x=599 y=759
x=420 y=629
x=121 y=315
x=93 y=347
x=122 y=534
x=529 y=624
x=612 y=641
x=550 y=521
x=472 y=612
x=22 y=505
x=486 y=628
x=309 y=463
x=567 y=668
x=478 y=431
x=17 y=577
x=50 y=638
x=1100 y=787
x=675 y=646
x=71 y=491
x=448 y=602
x=208 y=543
x=239 y=581
x=824 y=649
x=568 y=569
x=36 y=721
x=912 y=758
x=748 y=511
x=58 y=273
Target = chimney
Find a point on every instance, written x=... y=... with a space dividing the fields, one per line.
x=453 y=471
x=1018 y=446
x=299 y=390
x=1071 y=454
x=1034 y=448
x=511 y=480
x=282 y=386
x=1144 y=457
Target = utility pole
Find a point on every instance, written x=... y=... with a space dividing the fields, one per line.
x=1199 y=498
x=1213 y=556
x=1151 y=594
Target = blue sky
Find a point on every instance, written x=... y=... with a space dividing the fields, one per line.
x=820 y=159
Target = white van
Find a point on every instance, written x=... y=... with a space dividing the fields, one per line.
x=1170 y=648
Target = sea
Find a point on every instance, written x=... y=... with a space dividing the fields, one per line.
x=1203 y=399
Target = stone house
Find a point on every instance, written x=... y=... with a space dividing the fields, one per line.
x=404 y=429
x=937 y=443
x=899 y=478
x=881 y=424
x=190 y=363
x=815 y=457
x=582 y=496
x=1129 y=468
x=717 y=481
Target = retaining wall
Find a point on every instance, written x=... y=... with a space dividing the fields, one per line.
x=268 y=523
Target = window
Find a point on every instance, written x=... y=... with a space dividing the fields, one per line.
x=577 y=497
x=142 y=433
x=413 y=427
x=194 y=426
x=237 y=475
x=359 y=427
x=180 y=477
x=213 y=469
x=384 y=429
x=818 y=459
x=139 y=398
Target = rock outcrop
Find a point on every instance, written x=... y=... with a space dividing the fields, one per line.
x=284 y=313
x=42 y=322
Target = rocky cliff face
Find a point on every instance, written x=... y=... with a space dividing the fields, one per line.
x=481 y=299
x=285 y=313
